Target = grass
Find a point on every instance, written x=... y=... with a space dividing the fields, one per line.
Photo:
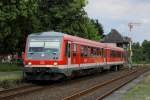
x=11 y=76
x=140 y=91
x=9 y=67
x=10 y=79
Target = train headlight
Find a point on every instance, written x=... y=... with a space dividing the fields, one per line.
x=29 y=63
x=55 y=63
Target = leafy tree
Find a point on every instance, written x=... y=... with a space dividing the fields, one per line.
x=137 y=53
x=99 y=26
x=146 y=50
x=141 y=53
x=18 y=18
x=15 y=20
x=68 y=17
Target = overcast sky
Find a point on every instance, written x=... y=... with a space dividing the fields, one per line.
x=118 y=13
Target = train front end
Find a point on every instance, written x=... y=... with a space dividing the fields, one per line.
x=43 y=56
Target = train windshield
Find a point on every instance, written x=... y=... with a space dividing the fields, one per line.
x=44 y=47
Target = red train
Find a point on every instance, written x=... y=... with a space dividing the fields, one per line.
x=54 y=55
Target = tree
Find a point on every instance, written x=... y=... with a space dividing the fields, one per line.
x=146 y=50
x=18 y=18
x=137 y=53
x=141 y=53
x=99 y=26
x=68 y=17
x=15 y=20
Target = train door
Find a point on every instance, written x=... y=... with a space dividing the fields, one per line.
x=69 y=53
x=74 y=55
x=104 y=55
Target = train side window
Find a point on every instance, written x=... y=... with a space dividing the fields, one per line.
x=74 y=49
x=89 y=51
x=67 y=50
x=97 y=52
x=92 y=51
x=113 y=53
x=82 y=51
x=103 y=52
x=85 y=51
x=109 y=54
x=100 y=52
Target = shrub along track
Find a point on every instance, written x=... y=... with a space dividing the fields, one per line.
x=68 y=88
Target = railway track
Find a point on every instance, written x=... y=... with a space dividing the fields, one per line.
x=28 y=89
x=7 y=94
x=107 y=87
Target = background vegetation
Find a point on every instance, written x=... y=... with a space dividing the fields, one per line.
x=18 y=18
x=141 y=53
x=6 y=67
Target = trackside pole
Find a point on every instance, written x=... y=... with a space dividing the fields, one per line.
x=130 y=56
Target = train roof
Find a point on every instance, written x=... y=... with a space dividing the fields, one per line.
x=51 y=33
x=83 y=41
x=112 y=47
x=79 y=40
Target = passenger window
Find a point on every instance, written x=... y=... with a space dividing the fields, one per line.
x=82 y=50
x=85 y=51
x=74 y=49
x=103 y=52
x=67 y=50
x=89 y=51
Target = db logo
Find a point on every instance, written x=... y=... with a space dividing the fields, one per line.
x=42 y=62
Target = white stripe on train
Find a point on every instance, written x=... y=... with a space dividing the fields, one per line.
x=87 y=65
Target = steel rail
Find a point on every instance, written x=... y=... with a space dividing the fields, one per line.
x=97 y=86
x=9 y=93
x=120 y=85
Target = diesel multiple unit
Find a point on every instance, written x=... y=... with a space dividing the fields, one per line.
x=54 y=55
